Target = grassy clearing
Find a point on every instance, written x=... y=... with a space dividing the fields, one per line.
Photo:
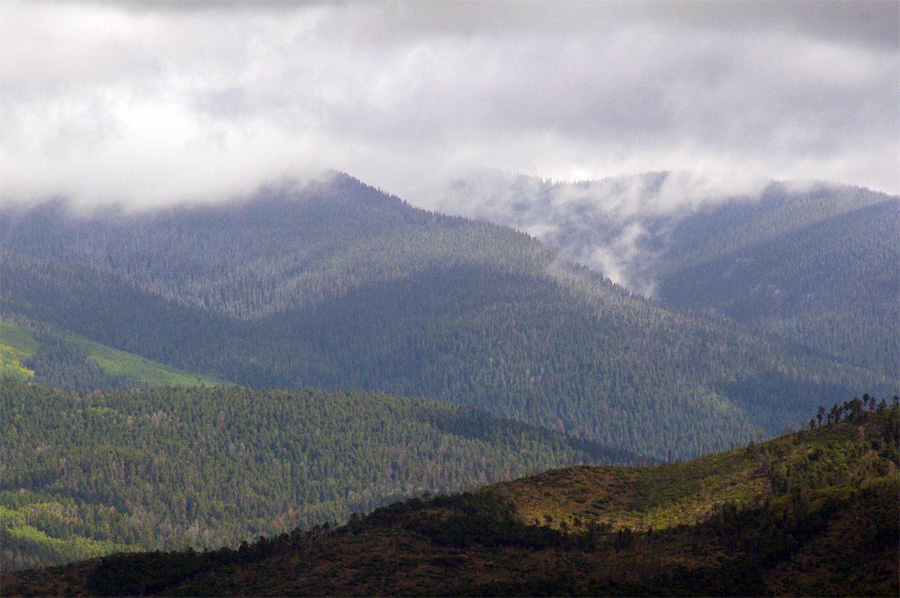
x=16 y=344
x=668 y=496
x=120 y=363
x=48 y=532
x=573 y=497
x=18 y=338
x=686 y=493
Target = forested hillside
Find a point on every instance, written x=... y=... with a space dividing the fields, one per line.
x=813 y=263
x=810 y=514
x=831 y=283
x=339 y=286
x=90 y=473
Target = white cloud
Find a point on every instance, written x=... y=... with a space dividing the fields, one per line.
x=154 y=102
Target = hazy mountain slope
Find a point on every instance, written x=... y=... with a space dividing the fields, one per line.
x=816 y=263
x=724 y=225
x=283 y=248
x=88 y=474
x=339 y=286
x=833 y=285
x=812 y=513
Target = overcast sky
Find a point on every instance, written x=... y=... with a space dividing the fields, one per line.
x=154 y=102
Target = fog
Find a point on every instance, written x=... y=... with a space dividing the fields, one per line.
x=152 y=103
x=619 y=226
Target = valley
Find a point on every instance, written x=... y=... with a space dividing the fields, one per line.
x=811 y=513
x=814 y=263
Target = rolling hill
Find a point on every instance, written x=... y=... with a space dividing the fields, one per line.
x=336 y=285
x=811 y=513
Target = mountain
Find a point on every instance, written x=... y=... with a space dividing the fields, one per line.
x=830 y=282
x=336 y=285
x=809 y=514
x=816 y=263
x=92 y=473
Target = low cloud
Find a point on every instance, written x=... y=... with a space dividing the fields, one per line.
x=618 y=226
x=148 y=103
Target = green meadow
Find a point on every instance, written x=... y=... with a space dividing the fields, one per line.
x=18 y=344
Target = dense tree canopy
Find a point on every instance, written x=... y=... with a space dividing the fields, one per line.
x=88 y=473
x=339 y=286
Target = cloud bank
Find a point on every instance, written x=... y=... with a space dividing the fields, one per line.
x=149 y=103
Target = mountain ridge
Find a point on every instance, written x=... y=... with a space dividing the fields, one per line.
x=802 y=261
x=385 y=297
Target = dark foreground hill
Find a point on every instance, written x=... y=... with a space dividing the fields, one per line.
x=336 y=285
x=91 y=473
x=813 y=513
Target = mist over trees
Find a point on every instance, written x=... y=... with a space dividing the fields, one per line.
x=815 y=263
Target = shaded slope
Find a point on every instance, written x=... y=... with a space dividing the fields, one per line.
x=813 y=513
x=831 y=284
